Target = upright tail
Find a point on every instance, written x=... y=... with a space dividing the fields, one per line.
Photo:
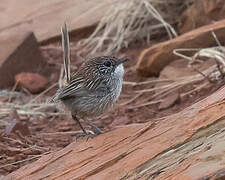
x=64 y=77
x=66 y=52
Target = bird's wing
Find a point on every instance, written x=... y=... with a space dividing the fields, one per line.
x=80 y=86
x=74 y=88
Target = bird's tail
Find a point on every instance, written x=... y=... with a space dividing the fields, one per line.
x=66 y=53
x=64 y=78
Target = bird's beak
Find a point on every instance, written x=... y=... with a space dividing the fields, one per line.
x=122 y=60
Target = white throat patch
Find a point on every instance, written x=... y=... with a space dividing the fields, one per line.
x=119 y=71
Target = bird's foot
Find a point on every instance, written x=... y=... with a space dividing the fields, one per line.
x=88 y=135
x=97 y=131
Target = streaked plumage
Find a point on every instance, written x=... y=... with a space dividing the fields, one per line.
x=94 y=87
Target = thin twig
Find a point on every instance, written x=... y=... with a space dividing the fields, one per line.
x=63 y=133
x=217 y=40
x=199 y=87
x=206 y=77
x=42 y=93
x=131 y=100
x=24 y=160
x=149 y=81
x=145 y=104
x=13 y=89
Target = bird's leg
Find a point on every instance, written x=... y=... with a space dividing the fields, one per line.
x=77 y=120
x=89 y=135
x=96 y=129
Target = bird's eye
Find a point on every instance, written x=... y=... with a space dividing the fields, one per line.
x=107 y=63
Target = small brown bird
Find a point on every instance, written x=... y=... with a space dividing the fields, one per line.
x=93 y=89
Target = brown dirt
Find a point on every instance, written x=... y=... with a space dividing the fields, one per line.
x=44 y=138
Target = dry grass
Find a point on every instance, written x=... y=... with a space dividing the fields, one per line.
x=130 y=20
x=24 y=160
x=36 y=106
x=214 y=74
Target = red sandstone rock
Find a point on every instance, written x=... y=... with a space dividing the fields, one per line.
x=19 y=52
x=154 y=59
x=201 y=12
x=188 y=145
x=33 y=82
x=169 y=101
x=45 y=18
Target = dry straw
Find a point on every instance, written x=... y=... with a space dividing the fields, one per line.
x=129 y=20
x=35 y=107
x=213 y=74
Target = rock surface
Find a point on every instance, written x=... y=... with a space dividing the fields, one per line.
x=45 y=18
x=154 y=59
x=201 y=12
x=19 y=52
x=187 y=145
x=169 y=101
x=180 y=68
x=33 y=82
